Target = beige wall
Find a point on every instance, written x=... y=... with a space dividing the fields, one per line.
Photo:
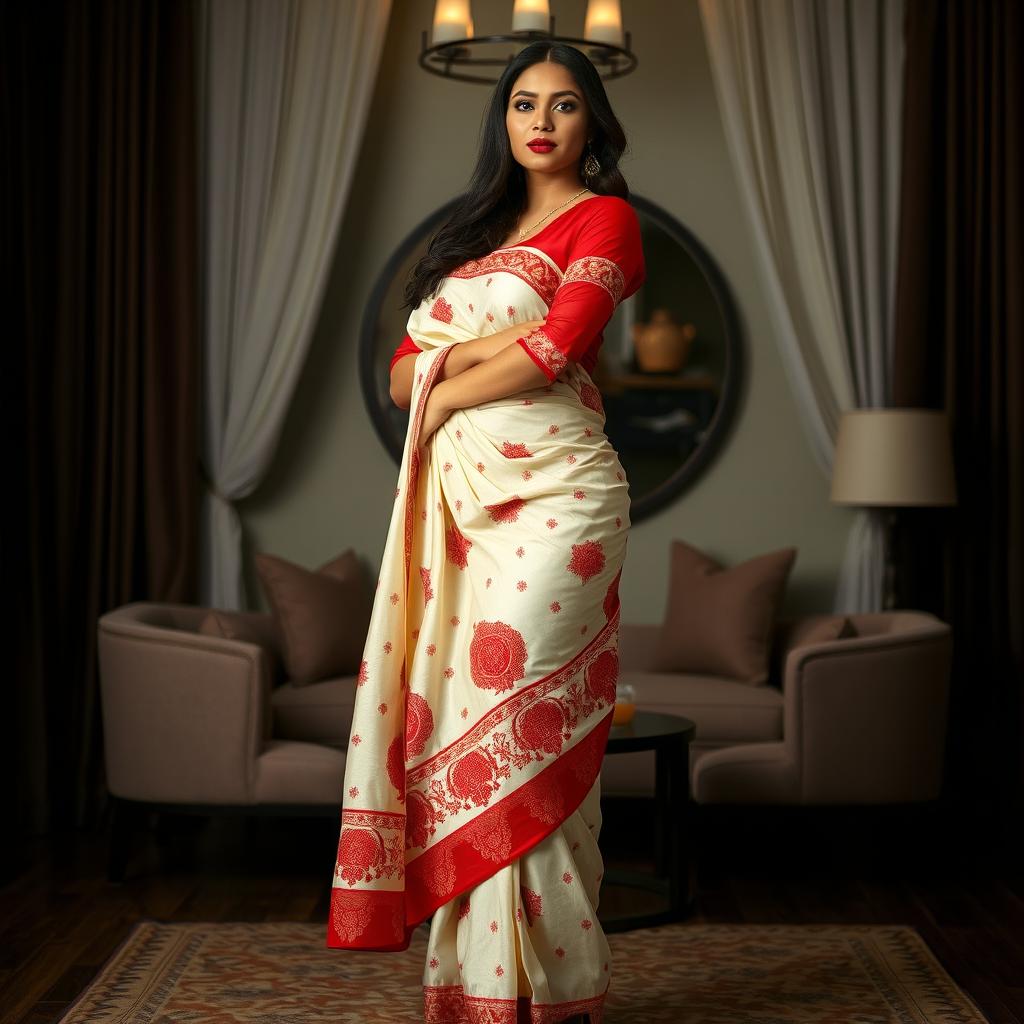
x=332 y=483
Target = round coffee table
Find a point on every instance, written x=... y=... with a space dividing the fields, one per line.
x=669 y=737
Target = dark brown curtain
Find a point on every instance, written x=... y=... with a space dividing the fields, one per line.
x=99 y=206
x=960 y=346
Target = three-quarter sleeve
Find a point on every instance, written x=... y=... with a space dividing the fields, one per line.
x=605 y=265
x=407 y=348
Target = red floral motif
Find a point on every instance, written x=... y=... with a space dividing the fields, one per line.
x=611 y=596
x=494 y=927
x=559 y=952
x=555 y=606
x=361 y=678
x=602 y=674
x=587 y=559
x=538 y=727
x=441 y=310
x=457 y=546
x=567 y=877
x=359 y=851
x=551 y=524
x=428 y=591
x=506 y=511
x=396 y=766
x=527 y=474
x=521 y=585
x=387 y=646
x=473 y=778
x=532 y=904
x=419 y=724
x=351 y=913
x=579 y=494
x=421 y=820
x=517 y=450
x=586 y=924
x=591 y=397
x=497 y=656
x=464 y=908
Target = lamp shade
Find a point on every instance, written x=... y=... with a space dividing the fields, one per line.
x=893 y=457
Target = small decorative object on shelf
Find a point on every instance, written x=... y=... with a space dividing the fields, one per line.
x=662 y=345
x=625 y=704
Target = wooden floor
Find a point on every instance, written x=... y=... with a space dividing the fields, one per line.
x=61 y=919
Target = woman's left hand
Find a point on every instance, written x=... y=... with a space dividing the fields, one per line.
x=434 y=414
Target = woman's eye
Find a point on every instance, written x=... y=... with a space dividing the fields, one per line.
x=562 y=103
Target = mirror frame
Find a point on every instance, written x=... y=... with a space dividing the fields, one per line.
x=721 y=421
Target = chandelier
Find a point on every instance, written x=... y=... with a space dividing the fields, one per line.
x=455 y=52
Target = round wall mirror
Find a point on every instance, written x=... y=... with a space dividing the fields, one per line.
x=669 y=368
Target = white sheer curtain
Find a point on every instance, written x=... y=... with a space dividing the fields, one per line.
x=284 y=91
x=810 y=93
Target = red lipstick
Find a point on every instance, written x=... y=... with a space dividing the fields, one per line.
x=541 y=145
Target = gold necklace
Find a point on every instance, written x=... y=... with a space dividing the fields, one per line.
x=526 y=231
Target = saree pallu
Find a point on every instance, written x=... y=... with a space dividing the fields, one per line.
x=485 y=693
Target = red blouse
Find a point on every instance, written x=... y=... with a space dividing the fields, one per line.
x=597 y=246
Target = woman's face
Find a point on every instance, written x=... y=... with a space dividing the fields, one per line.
x=546 y=103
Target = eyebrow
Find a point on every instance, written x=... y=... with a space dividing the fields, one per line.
x=564 y=92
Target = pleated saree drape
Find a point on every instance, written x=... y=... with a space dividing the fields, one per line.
x=485 y=695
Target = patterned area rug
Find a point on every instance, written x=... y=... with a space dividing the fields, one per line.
x=281 y=973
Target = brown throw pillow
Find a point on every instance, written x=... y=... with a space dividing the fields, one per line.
x=250 y=627
x=323 y=616
x=720 y=621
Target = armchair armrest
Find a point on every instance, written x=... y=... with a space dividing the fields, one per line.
x=184 y=715
x=865 y=718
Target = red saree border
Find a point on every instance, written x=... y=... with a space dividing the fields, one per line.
x=373 y=919
x=523 y=263
x=448 y=1004
x=467 y=856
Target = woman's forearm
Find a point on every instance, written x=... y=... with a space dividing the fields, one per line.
x=505 y=373
x=463 y=356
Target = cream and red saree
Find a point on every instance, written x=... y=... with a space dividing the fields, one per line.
x=485 y=694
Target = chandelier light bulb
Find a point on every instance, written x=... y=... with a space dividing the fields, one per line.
x=603 y=22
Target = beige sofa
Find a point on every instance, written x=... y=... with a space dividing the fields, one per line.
x=196 y=720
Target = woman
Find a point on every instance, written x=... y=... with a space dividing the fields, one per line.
x=486 y=691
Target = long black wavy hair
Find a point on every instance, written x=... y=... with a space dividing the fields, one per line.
x=495 y=198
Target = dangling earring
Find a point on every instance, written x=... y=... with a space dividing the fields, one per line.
x=591 y=167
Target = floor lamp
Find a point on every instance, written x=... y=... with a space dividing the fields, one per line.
x=891 y=458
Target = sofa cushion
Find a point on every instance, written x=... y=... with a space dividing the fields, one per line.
x=720 y=621
x=318 y=712
x=323 y=616
x=724 y=710
x=250 y=627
